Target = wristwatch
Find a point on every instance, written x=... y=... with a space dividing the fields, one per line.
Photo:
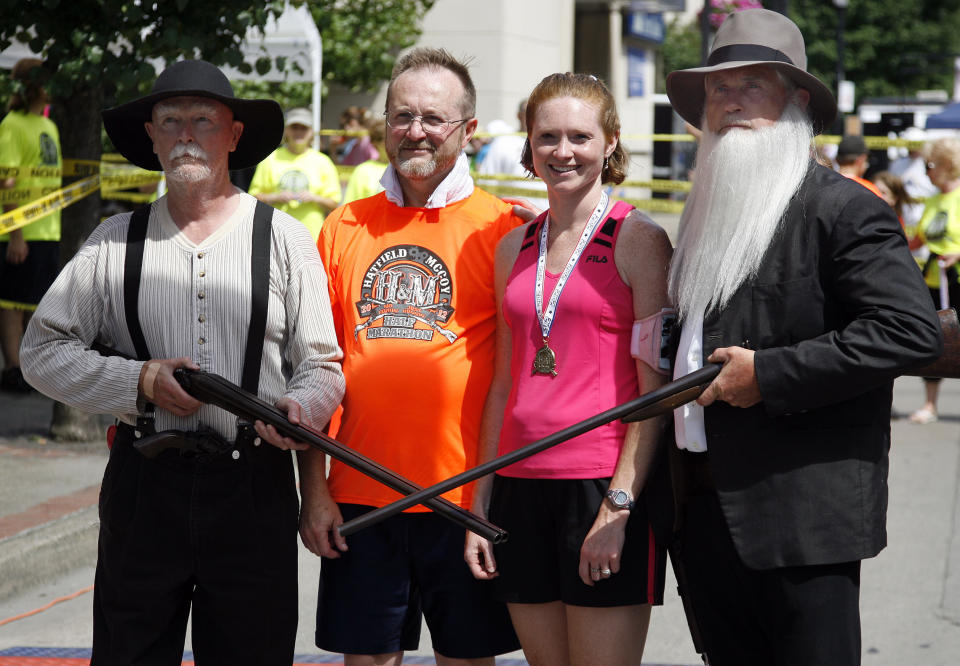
x=620 y=498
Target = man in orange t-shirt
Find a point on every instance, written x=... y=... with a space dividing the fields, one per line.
x=853 y=158
x=411 y=283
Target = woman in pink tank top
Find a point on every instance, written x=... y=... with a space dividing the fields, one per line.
x=582 y=567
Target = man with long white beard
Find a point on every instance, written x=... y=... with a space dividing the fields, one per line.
x=800 y=283
x=205 y=278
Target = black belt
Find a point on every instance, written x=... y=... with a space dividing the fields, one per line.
x=202 y=446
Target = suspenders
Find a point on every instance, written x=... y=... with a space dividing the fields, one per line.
x=260 y=292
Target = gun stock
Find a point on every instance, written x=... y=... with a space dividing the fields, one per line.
x=948 y=365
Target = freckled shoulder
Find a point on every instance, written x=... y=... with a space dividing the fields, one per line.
x=640 y=234
x=642 y=256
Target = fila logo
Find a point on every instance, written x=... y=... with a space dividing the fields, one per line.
x=596 y=258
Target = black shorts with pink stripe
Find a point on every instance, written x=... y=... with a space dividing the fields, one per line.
x=548 y=520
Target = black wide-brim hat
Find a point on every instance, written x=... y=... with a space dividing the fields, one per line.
x=262 y=118
x=753 y=37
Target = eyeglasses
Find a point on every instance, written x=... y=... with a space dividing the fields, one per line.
x=429 y=123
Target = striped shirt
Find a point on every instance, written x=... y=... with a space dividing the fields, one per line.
x=194 y=301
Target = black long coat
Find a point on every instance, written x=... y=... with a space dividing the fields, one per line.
x=836 y=312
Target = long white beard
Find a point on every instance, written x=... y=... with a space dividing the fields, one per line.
x=743 y=182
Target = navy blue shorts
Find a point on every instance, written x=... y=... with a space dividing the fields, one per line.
x=23 y=285
x=371 y=598
x=548 y=519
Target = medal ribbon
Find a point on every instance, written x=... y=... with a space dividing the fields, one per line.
x=546 y=317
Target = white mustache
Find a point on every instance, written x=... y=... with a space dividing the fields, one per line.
x=188 y=149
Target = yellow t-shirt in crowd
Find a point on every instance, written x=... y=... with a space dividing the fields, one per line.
x=940 y=229
x=29 y=139
x=309 y=171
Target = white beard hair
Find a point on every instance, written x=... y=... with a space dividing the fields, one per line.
x=743 y=182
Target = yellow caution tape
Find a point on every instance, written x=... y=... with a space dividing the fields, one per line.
x=874 y=142
x=656 y=205
x=78 y=168
x=22 y=196
x=21 y=217
x=508 y=191
x=659 y=185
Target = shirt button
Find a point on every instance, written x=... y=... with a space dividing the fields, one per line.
x=201 y=295
x=200 y=255
x=257 y=441
x=201 y=341
x=202 y=318
x=202 y=273
x=235 y=455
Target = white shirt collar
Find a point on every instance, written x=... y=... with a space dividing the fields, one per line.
x=456 y=186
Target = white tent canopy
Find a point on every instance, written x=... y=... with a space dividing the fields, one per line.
x=292 y=35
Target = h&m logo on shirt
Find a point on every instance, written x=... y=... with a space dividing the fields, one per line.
x=406 y=285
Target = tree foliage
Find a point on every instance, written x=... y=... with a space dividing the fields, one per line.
x=109 y=44
x=680 y=50
x=891 y=48
x=361 y=38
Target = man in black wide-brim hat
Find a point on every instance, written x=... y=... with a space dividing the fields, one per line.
x=204 y=278
x=800 y=282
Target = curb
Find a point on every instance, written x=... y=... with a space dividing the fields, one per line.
x=950 y=605
x=49 y=550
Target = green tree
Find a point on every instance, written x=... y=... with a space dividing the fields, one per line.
x=680 y=50
x=100 y=51
x=361 y=38
x=891 y=48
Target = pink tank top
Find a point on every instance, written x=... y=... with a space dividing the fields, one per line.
x=591 y=339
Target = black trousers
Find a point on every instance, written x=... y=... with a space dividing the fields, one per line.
x=218 y=535
x=792 y=616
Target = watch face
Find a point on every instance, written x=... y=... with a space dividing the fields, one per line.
x=620 y=498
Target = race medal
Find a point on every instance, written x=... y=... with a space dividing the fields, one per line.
x=545 y=361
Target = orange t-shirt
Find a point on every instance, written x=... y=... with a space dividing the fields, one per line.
x=413 y=302
x=867 y=184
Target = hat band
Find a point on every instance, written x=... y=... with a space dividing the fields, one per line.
x=747 y=53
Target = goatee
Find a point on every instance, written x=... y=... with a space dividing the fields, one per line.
x=743 y=182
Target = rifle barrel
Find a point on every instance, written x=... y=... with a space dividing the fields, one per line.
x=216 y=390
x=648 y=405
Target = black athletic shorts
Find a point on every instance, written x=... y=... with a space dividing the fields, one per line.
x=407 y=567
x=23 y=285
x=548 y=520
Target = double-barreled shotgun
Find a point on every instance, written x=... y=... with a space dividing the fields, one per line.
x=216 y=390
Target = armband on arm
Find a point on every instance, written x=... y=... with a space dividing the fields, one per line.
x=650 y=340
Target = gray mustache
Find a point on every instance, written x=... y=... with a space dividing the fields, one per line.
x=188 y=149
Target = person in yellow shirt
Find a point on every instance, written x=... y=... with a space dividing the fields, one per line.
x=365 y=179
x=296 y=178
x=939 y=229
x=29 y=256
